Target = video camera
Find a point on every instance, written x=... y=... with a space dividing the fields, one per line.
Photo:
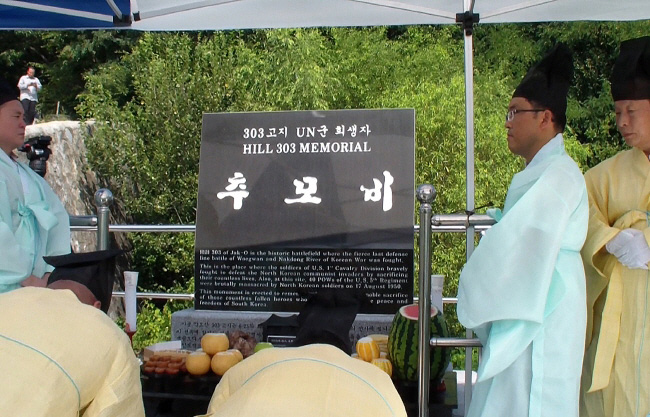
x=38 y=151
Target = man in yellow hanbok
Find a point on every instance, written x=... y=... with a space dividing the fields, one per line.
x=616 y=374
x=317 y=380
x=60 y=356
x=523 y=289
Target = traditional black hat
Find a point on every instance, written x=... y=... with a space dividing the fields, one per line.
x=631 y=75
x=8 y=92
x=327 y=317
x=95 y=270
x=547 y=83
x=279 y=326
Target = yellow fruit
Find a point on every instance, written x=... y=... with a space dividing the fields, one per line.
x=384 y=365
x=383 y=355
x=237 y=353
x=367 y=349
x=212 y=343
x=198 y=363
x=381 y=340
x=222 y=361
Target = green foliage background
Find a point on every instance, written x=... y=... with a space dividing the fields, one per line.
x=61 y=59
x=148 y=93
x=159 y=92
x=153 y=99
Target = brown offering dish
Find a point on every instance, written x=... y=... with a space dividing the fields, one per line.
x=164 y=365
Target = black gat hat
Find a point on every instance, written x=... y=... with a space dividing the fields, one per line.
x=631 y=75
x=547 y=83
x=327 y=317
x=95 y=270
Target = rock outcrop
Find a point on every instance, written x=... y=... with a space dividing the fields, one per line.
x=68 y=172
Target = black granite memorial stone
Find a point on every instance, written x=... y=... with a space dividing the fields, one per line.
x=293 y=202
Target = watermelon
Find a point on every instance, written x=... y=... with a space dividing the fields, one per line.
x=403 y=344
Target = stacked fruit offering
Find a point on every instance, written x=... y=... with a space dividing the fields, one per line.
x=374 y=349
x=215 y=354
x=397 y=352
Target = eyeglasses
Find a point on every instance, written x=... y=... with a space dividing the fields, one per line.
x=511 y=113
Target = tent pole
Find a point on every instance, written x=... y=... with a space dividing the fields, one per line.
x=469 y=184
x=467 y=20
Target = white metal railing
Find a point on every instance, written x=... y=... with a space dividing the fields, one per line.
x=158 y=296
x=454 y=342
x=79 y=224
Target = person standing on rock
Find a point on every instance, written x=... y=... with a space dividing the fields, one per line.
x=29 y=87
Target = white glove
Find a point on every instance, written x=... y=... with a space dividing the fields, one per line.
x=630 y=248
x=617 y=246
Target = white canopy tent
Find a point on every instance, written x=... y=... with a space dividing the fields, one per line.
x=182 y=15
x=252 y=14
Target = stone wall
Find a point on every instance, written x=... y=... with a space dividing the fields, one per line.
x=68 y=173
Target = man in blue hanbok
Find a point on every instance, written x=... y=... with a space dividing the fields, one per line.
x=33 y=222
x=523 y=289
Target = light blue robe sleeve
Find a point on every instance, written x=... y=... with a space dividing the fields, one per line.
x=15 y=260
x=510 y=283
x=52 y=222
x=29 y=229
x=56 y=240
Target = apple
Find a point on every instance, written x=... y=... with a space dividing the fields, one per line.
x=262 y=345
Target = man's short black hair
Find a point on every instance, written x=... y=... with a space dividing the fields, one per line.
x=559 y=121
